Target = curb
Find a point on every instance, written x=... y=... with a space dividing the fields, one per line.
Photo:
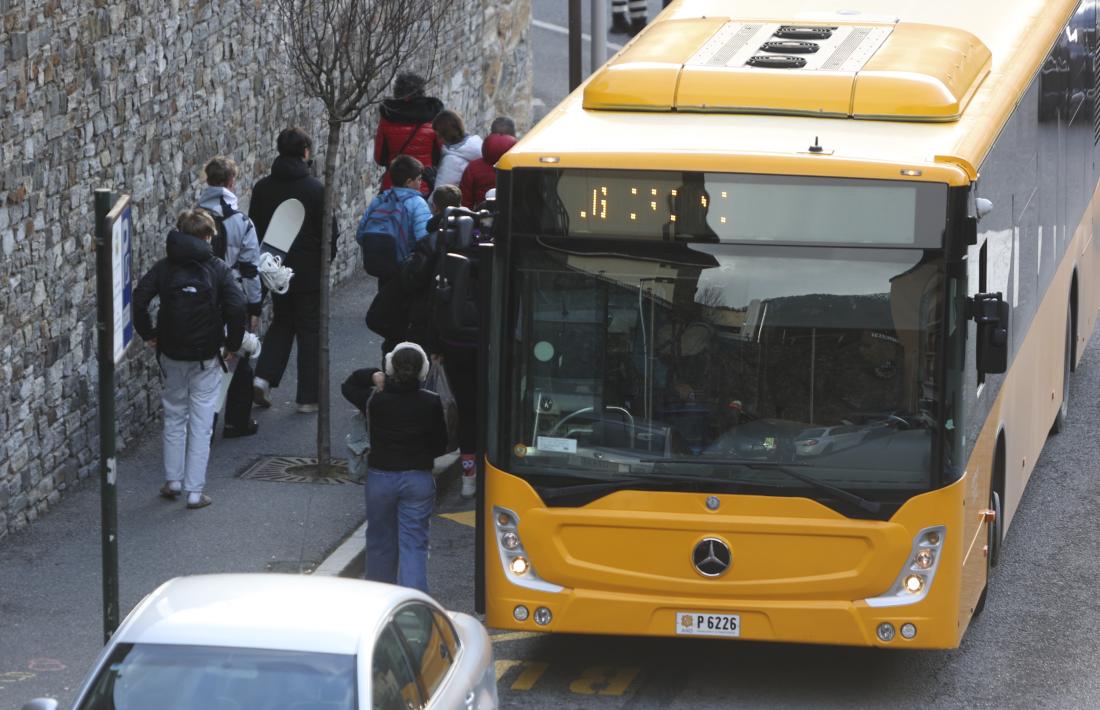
x=348 y=560
x=344 y=556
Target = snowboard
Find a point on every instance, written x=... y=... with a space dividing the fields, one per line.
x=284 y=226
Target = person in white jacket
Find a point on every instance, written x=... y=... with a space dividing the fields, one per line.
x=237 y=245
x=459 y=148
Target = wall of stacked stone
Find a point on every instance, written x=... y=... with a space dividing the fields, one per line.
x=134 y=97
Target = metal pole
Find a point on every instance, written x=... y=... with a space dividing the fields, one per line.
x=574 y=44
x=598 y=45
x=108 y=492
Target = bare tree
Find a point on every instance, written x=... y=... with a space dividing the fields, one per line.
x=345 y=53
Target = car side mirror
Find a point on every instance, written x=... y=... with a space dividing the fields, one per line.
x=991 y=313
x=41 y=704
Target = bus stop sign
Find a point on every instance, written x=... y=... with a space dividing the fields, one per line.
x=119 y=227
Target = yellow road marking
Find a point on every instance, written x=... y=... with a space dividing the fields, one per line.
x=503 y=667
x=466 y=517
x=532 y=671
x=529 y=674
x=513 y=636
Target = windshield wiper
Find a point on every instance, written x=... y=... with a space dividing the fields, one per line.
x=555 y=492
x=788 y=468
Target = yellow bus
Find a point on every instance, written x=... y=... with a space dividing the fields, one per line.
x=784 y=306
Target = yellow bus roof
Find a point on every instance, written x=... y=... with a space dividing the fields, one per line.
x=940 y=76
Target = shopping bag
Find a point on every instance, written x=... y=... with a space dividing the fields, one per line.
x=436 y=381
x=358 y=444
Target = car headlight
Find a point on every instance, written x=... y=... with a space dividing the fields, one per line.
x=515 y=560
x=915 y=579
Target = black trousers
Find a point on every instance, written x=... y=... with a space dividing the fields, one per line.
x=388 y=342
x=296 y=320
x=460 y=365
x=238 y=400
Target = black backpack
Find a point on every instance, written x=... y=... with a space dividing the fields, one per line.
x=189 y=321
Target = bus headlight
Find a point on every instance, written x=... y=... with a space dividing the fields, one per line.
x=515 y=560
x=925 y=559
x=915 y=579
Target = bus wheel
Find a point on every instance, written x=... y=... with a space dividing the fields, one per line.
x=994 y=535
x=996 y=529
x=1063 y=411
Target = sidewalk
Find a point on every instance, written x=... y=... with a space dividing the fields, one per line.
x=51 y=621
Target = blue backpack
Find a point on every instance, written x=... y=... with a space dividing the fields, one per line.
x=386 y=234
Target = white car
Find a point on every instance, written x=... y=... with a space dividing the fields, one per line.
x=825 y=440
x=266 y=641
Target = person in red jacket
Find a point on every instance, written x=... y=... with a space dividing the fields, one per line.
x=480 y=176
x=406 y=127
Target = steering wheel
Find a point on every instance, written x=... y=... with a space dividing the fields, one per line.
x=588 y=410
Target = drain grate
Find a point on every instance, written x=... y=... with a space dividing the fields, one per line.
x=295 y=469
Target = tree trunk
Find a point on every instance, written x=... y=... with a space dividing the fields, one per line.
x=332 y=153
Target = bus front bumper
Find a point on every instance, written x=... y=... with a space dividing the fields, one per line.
x=822 y=622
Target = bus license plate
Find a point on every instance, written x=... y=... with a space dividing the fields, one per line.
x=692 y=623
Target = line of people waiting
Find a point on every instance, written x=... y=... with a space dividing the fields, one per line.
x=209 y=302
x=208 y=285
x=438 y=159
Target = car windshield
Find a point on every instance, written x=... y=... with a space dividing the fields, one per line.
x=651 y=358
x=171 y=677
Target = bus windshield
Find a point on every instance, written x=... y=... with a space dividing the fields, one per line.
x=724 y=361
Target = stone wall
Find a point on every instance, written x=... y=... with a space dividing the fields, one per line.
x=134 y=97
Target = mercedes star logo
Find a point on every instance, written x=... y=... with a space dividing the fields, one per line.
x=712 y=557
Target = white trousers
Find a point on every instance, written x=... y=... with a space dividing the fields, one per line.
x=190 y=397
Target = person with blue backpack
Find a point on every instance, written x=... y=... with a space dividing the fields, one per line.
x=394 y=221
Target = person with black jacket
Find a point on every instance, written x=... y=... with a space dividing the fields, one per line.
x=202 y=310
x=402 y=308
x=297 y=314
x=407 y=433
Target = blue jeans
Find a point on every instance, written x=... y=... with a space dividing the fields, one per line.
x=399 y=513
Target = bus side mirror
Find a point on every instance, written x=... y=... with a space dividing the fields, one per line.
x=465 y=232
x=982 y=207
x=991 y=313
x=456 y=314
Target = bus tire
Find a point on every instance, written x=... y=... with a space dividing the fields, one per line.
x=996 y=529
x=1067 y=362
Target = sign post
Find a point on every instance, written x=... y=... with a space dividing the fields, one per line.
x=574 y=44
x=597 y=47
x=115 y=329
